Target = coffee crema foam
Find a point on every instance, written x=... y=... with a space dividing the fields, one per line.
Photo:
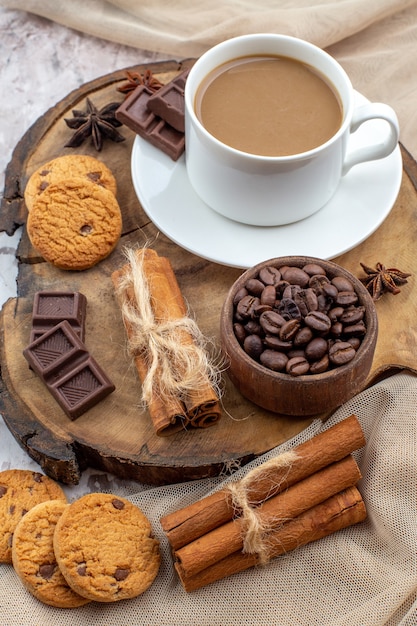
x=268 y=105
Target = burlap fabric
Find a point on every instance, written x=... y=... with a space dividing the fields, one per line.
x=365 y=575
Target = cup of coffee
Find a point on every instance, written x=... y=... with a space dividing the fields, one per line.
x=268 y=120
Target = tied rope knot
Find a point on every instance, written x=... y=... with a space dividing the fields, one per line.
x=255 y=529
x=174 y=348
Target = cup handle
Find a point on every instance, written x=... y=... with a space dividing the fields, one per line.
x=371 y=111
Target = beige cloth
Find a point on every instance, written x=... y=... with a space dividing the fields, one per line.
x=375 y=40
x=365 y=575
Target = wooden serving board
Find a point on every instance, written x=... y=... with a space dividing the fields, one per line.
x=117 y=435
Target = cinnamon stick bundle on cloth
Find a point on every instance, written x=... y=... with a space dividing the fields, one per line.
x=295 y=498
x=179 y=381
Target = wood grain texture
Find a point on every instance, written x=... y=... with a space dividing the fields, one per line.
x=117 y=435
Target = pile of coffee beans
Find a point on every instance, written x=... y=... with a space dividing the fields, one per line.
x=297 y=320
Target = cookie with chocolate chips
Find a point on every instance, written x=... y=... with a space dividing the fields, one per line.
x=34 y=558
x=64 y=167
x=74 y=224
x=105 y=549
x=20 y=491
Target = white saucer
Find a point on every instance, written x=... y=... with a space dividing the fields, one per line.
x=362 y=202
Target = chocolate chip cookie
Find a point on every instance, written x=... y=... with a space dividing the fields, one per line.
x=105 y=549
x=74 y=224
x=68 y=166
x=34 y=558
x=20 y=491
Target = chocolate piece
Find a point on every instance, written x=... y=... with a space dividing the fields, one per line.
x=47 y=570
x=134 y=113
x=52 y=307
x=70 y=373
x=168 y=102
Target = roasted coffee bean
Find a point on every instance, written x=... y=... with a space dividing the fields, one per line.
x=254 y=286
x=296 y=352
x=268 y=295
x=346 y=298
x=241 y=293
x=288 y=330
x=342 y=284
x=239 y=331
x=269 y=275
x=313 y=268
x=336 y=330
x=318 y=367
x=280 y=288
x=341 y=352
x=260 y=308
x=275 y=361
x=306 y=300
x=316 y=349
x=318 y=321
x=354 y=341
x=290 y=291
x=275 y=343
x=317 y=281
x=354 y=330
x=253 y=346
x=330 y=291
x=303 y=336
x=336 y=313
x=253 y=327
x=271 y=322
x=295 y=276
x=324 y=303
x=352 y=315
x=246 y=306
x=289 y=310
x=297 y=366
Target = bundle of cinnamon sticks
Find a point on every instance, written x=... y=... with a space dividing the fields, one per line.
x=300 y=496
x=178 y=379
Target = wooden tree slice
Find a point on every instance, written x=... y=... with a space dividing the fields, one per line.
x=117 y=435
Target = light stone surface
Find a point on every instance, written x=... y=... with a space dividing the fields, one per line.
x=40 y=63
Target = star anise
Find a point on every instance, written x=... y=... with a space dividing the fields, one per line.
x=97 y=123
x=135 y=79
x=380 y=280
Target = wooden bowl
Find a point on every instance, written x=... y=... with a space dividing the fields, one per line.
x=308 y=394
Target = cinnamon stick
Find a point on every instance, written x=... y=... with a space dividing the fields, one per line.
x=170 y=412
x=228 y=538
x=337 y=512
x=168 y=416
x=197 y=519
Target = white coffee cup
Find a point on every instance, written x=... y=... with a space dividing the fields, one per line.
x=269 y=190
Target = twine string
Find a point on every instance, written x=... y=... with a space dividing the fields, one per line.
x=175 y=367
x=254 y=528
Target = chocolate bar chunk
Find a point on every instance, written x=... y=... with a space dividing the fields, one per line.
x=134 y=113
x=52 y=307
x=168 y=101
x=68 y=370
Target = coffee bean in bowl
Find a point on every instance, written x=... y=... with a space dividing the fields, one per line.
x=299 y=335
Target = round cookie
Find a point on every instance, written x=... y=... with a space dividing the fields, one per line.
x=75 y=224
x=20 y=491
x=69 y=166
x=34 y=559
x=104 y=547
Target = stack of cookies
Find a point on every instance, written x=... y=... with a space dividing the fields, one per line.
x=98 y=548
x=74 y=219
